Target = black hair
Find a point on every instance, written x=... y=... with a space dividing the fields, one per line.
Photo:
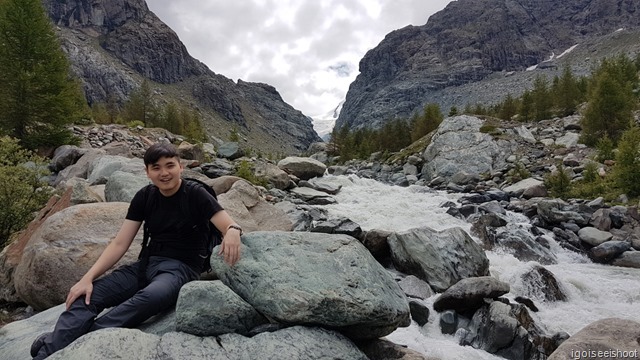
x=159 y=150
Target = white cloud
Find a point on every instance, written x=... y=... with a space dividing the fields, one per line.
x=308 y=50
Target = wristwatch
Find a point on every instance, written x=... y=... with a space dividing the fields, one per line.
x=234 y=226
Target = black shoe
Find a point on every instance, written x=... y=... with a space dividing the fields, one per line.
x=38 y=343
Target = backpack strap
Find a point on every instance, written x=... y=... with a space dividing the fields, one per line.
x=150 y=194
x=211 y=235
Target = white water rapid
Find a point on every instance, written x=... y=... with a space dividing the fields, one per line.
x=594 y=291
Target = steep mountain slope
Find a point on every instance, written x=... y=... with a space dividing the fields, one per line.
x=114 y=44
x=472 y=41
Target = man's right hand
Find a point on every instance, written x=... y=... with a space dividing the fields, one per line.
x=82 y=287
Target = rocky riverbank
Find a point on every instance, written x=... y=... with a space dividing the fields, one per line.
x=98 y=179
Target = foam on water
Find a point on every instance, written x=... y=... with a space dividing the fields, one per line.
x=595 y=291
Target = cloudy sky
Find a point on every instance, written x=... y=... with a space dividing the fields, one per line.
x=309 y=50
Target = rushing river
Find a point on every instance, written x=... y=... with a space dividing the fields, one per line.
x=594 y=291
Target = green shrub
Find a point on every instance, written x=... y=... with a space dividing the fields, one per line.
x=519 y=172
x=134 y=124
x=23 y=190
x=558 y=183
x=626 y=172
x=245 y=171
x=605 y=149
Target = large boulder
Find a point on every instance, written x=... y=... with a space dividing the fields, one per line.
x=11 y=255
x=245 y=205
x=277 y=177
x=64 y=247
x=209 y=308
x=310 y=278
x=603 y=339
x=291 y=343
x=64 y=156
x=441 y=258
x=458 y=145
x=469 y=294
x=100 y=169
x=593 y=236
x=122 y=186
x=80 y=169
x=303 y=168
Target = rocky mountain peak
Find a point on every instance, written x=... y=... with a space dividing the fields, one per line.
x=115 y=45
x=468 y=42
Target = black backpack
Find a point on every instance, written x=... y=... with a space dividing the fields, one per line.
x=210 y=234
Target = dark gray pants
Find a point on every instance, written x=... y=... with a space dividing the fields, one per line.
x=132 y=304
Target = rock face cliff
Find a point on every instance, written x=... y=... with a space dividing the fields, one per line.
x=114 y=45
x=472 y=41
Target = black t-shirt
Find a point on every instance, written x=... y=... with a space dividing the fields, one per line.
x=171 y=232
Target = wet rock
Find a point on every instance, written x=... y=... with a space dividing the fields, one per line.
x=469 y=294
x=540 y=283
x=609 y=250
x=419 y=312
x=593 y=236
x=441 y=258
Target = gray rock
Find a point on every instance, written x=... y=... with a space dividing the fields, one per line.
x=493 y=328
x=593 y=236
x=524 y=133
x=568 y=140
x=376 y=242
x=103 y=167
x=523 y=245
x=324 y=186
x=230 y=150
x=122 y=186
x=603 y=335
x=382 y=349
x=312 y=196
x=337 y=226
x=601 y=220
x=64 y=156
x=113 y=343
x=304 y=278
x=245 y=205
x=303 y=168
x=521 y=186
x=628 y=259
x=80 y=169
x=609 y=250
x=210 y=308
x=458 y=145
x=274 y=175
x=189 y=151
x=415 y=288
x=63 y=249
x=419 y=312
x=441 y=258
x=469 y=294
x=557 y=212
x=539 y=283
x=82 y=193
x=296 y=342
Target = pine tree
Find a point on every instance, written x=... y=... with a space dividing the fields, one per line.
x=627 y=169
x=610 y=108
x=453 y=111
x=525 y=111
x=508 y=108
x=141 y=106
x=37 y=98
x=427 y=122
x=542 y=101
x=567 y=94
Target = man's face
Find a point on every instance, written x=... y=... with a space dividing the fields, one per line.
x=165 y=174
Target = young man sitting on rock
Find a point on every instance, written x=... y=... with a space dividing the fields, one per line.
x=176 y=254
